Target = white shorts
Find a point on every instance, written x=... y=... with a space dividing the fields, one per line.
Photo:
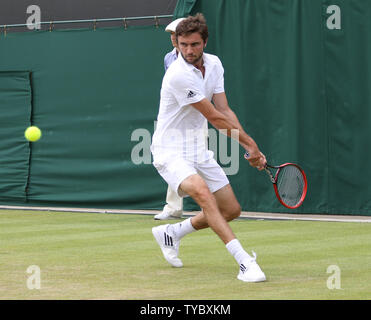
x=176 y=170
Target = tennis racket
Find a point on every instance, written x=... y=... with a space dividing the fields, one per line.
x=289 y=182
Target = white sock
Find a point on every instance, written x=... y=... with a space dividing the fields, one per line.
x=181 y=229
x=235 y=249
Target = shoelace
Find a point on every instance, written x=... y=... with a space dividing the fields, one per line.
x=254 y=256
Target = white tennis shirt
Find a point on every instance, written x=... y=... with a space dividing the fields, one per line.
x=180 y=130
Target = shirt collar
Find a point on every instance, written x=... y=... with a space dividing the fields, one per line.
x=191 y=66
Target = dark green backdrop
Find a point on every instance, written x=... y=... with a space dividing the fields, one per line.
x=91 y=90
x=300 y=89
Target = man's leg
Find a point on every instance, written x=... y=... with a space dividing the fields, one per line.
x=217 y=208
x=168 y=236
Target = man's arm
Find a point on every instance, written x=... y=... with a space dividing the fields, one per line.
x=222 y=117
x=221 y=104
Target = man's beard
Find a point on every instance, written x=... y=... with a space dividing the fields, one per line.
x=193 y=59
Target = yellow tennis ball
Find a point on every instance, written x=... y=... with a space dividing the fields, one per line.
x=32 y=133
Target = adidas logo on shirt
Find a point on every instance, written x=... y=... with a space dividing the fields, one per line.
x=191 y=94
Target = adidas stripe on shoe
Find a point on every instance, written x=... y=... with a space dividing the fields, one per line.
x=169 y=245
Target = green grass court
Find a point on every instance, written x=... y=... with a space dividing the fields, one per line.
x=114 y=256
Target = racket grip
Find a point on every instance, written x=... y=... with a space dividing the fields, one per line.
x=246 y=155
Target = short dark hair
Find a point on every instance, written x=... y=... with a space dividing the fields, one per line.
x=193 y=24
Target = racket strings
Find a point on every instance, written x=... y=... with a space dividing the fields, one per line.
x=290 y=185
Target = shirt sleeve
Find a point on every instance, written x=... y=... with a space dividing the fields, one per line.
x=219 y=85
x=186 y=88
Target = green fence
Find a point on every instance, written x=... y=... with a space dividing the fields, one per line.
x=90 y=91
x=297 y=74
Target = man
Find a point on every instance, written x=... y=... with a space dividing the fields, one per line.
x=171 y=56
x=174 y=204
x=189 y=85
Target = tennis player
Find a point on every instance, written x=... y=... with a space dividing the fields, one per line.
x=179 y=153
x=174 y=203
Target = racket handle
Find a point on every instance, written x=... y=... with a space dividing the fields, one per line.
x=273 y=180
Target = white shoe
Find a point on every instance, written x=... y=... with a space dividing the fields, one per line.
x=168 y=214
x=168 y=244
x=250 y=271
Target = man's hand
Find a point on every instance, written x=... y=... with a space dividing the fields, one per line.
x=256 y=159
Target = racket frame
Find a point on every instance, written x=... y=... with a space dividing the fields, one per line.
x=274 y=179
